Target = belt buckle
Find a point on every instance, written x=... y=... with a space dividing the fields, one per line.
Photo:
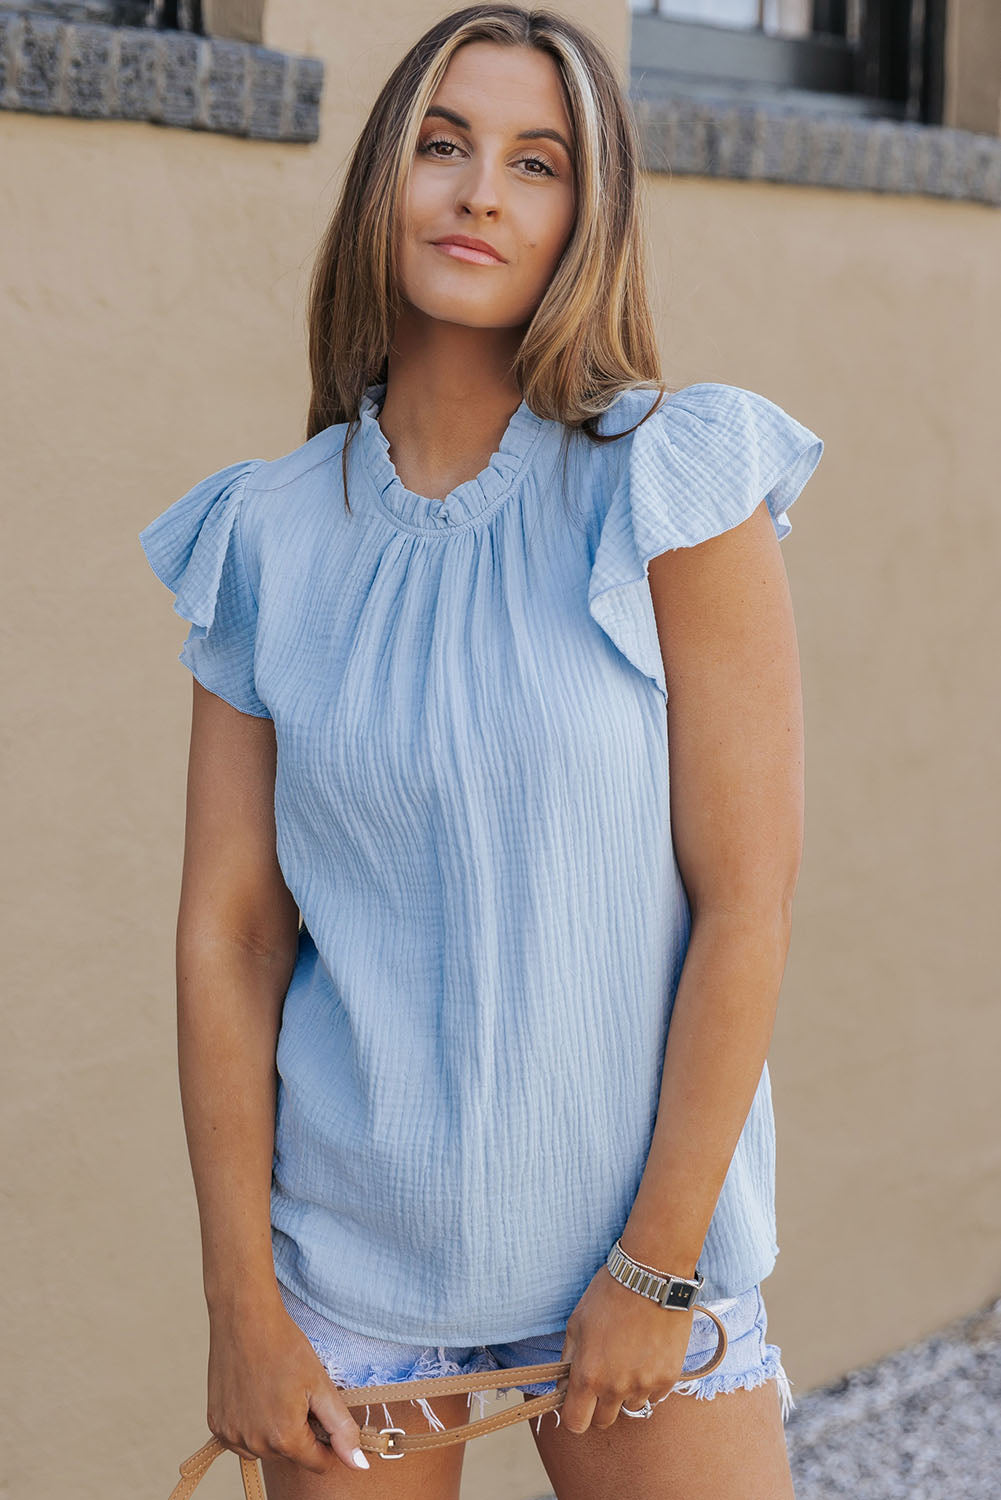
x=402 y=1432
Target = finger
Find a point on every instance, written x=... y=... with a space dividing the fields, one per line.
x=235 y=1443
x=607 y=1410
x=241 y=1451
x=312 y=1453
x=340 y=1426
x=320 y=1455
x=578 y=1408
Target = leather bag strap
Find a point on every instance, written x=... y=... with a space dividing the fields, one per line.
x=193 y=1470
x=394 y=1442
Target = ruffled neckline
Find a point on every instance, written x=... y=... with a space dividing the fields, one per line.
x=472 y=500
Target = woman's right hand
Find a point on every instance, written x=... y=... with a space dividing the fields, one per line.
x=266 y=1383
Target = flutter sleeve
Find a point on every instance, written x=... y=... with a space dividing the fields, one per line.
x=195 y=547
x=700 y=465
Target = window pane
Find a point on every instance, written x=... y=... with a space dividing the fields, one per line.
x=716 y=12
x=779 y=17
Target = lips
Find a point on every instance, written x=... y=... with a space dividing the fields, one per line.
x=464 y=247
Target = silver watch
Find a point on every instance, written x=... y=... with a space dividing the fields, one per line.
x=669 y=1291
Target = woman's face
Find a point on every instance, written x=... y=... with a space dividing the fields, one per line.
x=493 y=163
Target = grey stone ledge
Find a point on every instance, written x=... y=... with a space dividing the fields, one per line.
x=698 y=135
x=99 y=72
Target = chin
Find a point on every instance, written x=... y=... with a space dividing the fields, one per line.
x=469 y=312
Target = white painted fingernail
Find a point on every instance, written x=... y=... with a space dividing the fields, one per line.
x=359 y=1460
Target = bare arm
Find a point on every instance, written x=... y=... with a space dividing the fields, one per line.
x=735 y=730
x=237 y=938
x=237 y=932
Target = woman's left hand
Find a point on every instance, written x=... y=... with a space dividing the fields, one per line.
x=623 y=1350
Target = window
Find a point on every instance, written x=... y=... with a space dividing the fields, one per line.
x=863 y=57
x=176 y=15
x=237 y=20
x=789 y=16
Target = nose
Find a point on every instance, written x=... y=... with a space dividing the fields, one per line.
x=479 y=192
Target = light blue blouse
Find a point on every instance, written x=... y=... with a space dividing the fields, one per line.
x=472 y=814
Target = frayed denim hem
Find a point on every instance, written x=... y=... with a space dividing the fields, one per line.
x=426 y=1367
x=433 y=1361
x=708 y=1386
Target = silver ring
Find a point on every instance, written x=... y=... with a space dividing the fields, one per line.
x=646 y=1410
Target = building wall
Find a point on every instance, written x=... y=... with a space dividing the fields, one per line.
x=973 y=66
x=153 y=294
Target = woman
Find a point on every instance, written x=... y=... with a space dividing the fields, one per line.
x=439 y=651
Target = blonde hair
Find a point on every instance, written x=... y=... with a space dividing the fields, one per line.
x=592 y=334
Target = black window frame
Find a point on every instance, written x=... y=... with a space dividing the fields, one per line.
x=176 y=15
x=895 y=70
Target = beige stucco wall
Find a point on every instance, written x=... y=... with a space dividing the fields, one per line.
x=152 y=321
x=973 y=66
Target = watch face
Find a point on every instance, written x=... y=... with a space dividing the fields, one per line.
x=678 y=1296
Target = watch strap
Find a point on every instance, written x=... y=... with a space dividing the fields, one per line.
x=669 y=1291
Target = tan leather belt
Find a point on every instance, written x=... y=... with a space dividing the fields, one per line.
x=394 y=1442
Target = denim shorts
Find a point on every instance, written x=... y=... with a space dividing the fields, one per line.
x=355 y=1359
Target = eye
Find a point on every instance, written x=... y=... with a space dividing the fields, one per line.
x=540 y=163
x=427 y=148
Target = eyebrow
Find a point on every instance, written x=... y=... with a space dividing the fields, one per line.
x=523 y=135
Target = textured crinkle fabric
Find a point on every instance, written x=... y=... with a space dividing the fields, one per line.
x=195 y=549
x=472 y=813
x=716 y=451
